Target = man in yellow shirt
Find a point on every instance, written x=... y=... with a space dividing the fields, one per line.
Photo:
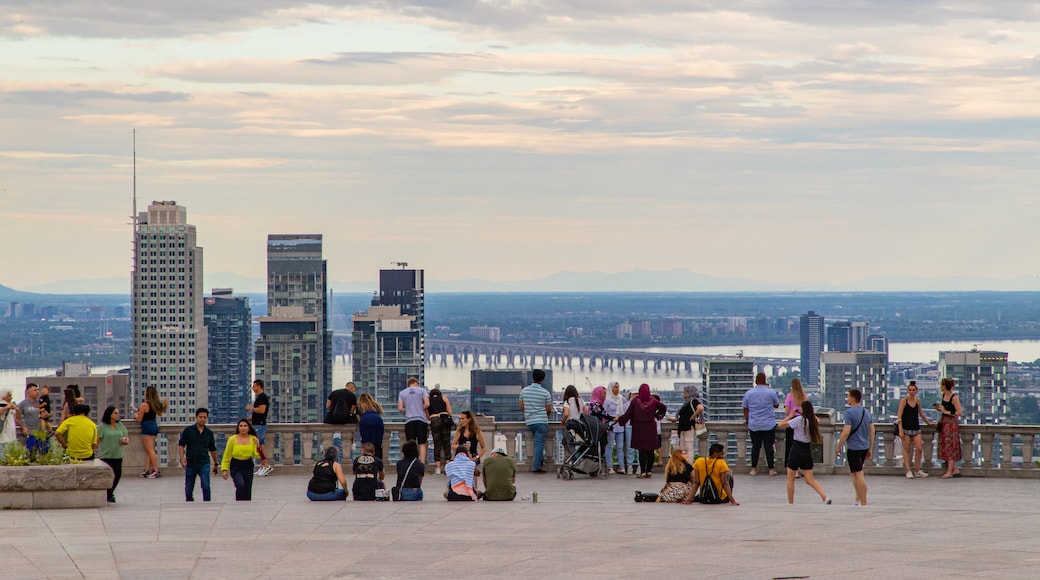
x=715 y=468
x=78 y=434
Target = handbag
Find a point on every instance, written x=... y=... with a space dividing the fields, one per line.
x=447 y=421
x=395 y=491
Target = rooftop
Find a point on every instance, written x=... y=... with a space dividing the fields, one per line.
x=977 y=527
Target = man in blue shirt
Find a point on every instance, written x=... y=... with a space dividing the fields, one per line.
x=536 y=403
x=760 y=403
x=859 y=433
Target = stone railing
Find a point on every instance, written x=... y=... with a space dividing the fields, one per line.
x=1003 y=451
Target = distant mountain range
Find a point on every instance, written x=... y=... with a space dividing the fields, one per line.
x=678 y=280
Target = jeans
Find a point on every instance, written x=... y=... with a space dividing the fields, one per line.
x=758 y=439
x=411 y=494
x=117 y=471
x=540 y=431
x=338 y=494
x=190 y=472
x=261 y=433
x=242 y=474
x=616 y=442
x=630 y=454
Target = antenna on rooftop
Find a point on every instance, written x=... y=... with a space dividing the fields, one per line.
x=401 y=265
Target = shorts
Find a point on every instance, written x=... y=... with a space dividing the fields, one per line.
x=150 y=428
x=855 y=458
x=801 y=456
x=913 y=433
x=261 y=431
x=417 y=430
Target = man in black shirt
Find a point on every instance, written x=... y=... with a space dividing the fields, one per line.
x=193 y=444
x=258 y=417
x=341 y=409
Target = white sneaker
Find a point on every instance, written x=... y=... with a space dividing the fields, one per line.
x=920 y=474
x=437 y=471
x=909 y=475
x=611 y=471
x=827 y=501
x=259 y=472
x=265 y=471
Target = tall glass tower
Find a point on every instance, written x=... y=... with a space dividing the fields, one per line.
x=229 y=323
x=812 y=329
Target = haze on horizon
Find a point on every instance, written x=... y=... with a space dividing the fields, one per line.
x=778 y=141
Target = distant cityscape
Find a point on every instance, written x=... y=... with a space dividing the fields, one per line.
x=203 y=350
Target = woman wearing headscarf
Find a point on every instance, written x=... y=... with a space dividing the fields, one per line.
x=644 y=412
x=613 y=407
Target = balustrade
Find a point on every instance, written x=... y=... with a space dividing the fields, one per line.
x=988 y=450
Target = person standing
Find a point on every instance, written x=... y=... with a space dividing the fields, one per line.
x=805 y=431
x=148 y=416
x=193 y=445
x=10 y=418
x=691 y=413
x=760 y=403
x=112 y=437
x=32 y=417
x=859 y=435
x=414 y=402
x=441 y=425
x=78 y=434
x=241 y=449
x=614 y=407
x=341 y=409
x=370 y=425
x=499 y=474
x=949 y=430
x=643 y=413
x=908 y=425
x=536 y=403
x=258 y=419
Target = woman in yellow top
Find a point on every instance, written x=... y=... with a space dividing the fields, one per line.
x=238 y=459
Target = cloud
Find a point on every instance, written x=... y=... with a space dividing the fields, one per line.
x=60 y=97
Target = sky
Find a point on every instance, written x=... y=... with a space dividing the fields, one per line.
x=511 y=139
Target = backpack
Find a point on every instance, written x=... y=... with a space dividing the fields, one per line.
x=709 y=493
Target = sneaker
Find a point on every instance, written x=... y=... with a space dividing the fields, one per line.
x=111 y=499
x=772 y=472
x=611 y=471
x=539 y=471
x=753 y=472
x=909 y=475
x=629 y=470
x=265 y=471
x=920 y=474
x=437 y=471
x=259 y=472
x=827 y=501
x=145 y=474
x=154 y=475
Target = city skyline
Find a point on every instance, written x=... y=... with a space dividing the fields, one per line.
x=656 y=136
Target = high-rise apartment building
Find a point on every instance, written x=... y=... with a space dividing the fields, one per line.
x=864 y=370
x=387 y=352
x=229 y=324
x=812 y=328
x=877 y=343
x=488 y=333
x=725 y=381
x=860 y=331
x=169 y=347
x=981 y=378
x=406 y=288
x=294 y=350
x=497 y=392
x=839 y=336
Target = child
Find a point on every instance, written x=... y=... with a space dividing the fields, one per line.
x=45 y=408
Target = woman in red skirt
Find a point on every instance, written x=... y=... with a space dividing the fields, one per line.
x=950 y=433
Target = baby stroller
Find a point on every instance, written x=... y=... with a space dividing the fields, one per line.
x=584 y=440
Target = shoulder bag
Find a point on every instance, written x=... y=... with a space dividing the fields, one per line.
x=395 y=491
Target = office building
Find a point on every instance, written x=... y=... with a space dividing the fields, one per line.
x=864 y=370
x=294 y=350
x=405 y=287
x=496 y=393
x=981 y=378
x=229 y=323
x=624 y=330
x=860 y=331
x=839 y=336
x=387 y=352
x=486 y=333
x=725 y=380
x=169 y=346
x=99 y=391
x=877 y=343
x=812 y=328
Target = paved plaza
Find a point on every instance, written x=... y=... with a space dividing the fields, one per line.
x=585 y=528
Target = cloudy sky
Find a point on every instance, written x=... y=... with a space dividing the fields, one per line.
x=829 y=140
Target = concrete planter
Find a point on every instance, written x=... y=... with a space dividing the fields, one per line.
x=55 y=486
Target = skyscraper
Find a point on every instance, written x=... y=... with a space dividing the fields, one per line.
x=981 y=383
x=725 y=380
x=229 y=323
x=812 y=328
x=405 y=288
x=294 y=351
x=864 y=370
x=169 y=340
x=839 y=336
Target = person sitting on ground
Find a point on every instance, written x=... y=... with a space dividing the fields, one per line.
x=410 y=472
x=715 y=467
x=462 y=477
x=499 y=474
x=327 y=473
x=368 y=473
x=678 y=487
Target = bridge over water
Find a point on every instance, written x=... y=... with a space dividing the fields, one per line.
x=506 y=355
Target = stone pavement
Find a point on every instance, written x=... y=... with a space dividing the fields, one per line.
x=963 y=528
